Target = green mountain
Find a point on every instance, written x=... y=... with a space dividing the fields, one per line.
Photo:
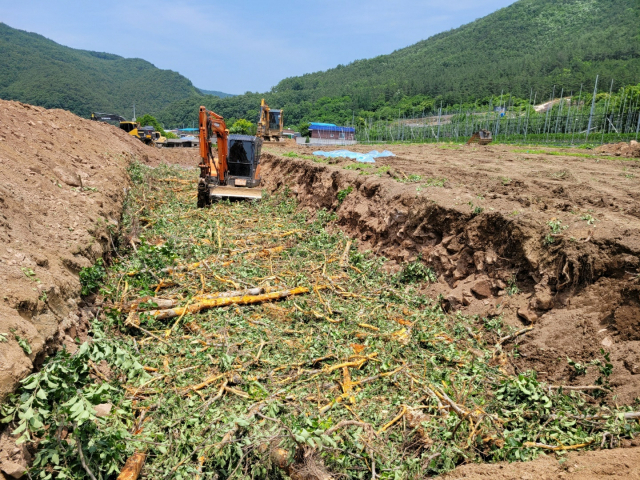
x=215 y=93
x=41 y=72
x=530 y=45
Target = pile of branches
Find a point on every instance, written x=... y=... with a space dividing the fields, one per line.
x=251 y=341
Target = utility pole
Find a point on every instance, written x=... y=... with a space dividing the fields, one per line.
x=593 y=106
x=439 y=115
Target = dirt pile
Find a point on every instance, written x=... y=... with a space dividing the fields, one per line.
x=531 y=239
x=622 y=149
x=603 y=464
x=63 y=184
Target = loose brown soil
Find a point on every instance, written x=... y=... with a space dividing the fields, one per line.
x=479 y=216
x=603 y=464
x=631 y=149
x=63 y=183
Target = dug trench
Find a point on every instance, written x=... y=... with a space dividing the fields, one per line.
x=487 y=266
x=579 y=289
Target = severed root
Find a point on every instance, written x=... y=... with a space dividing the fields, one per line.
x=555 y=448
x=392 y=422
x=224 y=301
x=235 y=293
x=265 y=253
x=132 y=468
x=307 y=465
x=137 y=305
x=414 y=418
x=578 y=388
x=344 y=260
x=504 y=340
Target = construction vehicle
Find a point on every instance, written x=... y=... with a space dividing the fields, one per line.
x=158 y=139
x=235 y=172
x=270 y=124
x=482 y=137
x=106 y=117
x=130 y=127
x=147 y=135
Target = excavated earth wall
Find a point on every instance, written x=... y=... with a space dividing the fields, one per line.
x=63 y=184
x=582 y=295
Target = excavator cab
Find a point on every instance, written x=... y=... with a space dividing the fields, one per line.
x=130 y=127
x=244 y=161
x=274 y=119
x=146 y=135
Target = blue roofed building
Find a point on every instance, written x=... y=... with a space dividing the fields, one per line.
x=329 y=131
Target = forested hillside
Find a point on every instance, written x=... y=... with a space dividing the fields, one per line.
x=41 y=72
x=532 y=44
x=215 y=93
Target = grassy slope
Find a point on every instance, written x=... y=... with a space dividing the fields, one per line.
x=39 y=71
x=518 y=47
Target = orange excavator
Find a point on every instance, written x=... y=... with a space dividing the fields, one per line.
x=235 y=172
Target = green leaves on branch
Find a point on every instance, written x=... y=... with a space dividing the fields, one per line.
x=91 y=277
x=58 y=403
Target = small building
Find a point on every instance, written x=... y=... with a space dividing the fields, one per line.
x=188 y=132
x=288 y=133
x=329 y=131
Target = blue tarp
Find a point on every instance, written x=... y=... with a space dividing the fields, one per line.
x=358 y=157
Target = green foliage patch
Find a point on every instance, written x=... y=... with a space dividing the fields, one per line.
x=91 y=277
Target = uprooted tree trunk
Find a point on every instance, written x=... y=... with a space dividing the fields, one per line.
x=306 y=465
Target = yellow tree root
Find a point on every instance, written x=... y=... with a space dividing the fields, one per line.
x=235 y=293
x=224 y=301
x=132 y=468
x=387 y=425
x=557 y=447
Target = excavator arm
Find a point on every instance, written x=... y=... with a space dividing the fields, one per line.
x=106 y=117
x=212 y=124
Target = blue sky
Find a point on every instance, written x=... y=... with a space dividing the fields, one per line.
x=243 y=45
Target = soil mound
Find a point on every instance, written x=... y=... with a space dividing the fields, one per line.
x=532 y=248
x=622 y=149
x=63 y=184
x=603 y=464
